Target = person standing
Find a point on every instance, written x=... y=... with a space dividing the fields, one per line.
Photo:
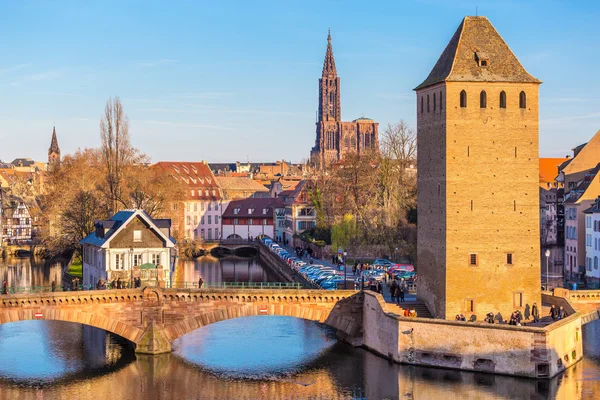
x=401 y=290
x=535 y=313
x=553 y=312
x=53 y=286
x=200 y=283
x=393 y=287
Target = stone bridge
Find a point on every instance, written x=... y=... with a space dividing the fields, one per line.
x=225 y=247
x=152 y=318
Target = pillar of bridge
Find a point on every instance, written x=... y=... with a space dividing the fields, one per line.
x=153 y=340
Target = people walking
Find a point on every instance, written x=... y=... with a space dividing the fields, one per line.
x=200 y=283
x=401 y=290
x=393 y=287
x=562 y=313
x=535 y=313
x=554 y=313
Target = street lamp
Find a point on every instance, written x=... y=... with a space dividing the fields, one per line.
x=345 y=269
x=547 y=253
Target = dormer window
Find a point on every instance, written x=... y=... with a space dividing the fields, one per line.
x=482 y=59
x=236 y=210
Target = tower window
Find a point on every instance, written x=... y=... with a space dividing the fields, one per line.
x=434 y=102
x=441 y=104
x=427 y=103
x=509 y=259
x=503 y=99
x=463 y=99
x=473 y=259
x=421 y=104
x=482 y=99
x=522 y=100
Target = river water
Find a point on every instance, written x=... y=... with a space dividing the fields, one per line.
x=263 y=357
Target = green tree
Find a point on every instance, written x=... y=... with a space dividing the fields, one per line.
x=343 y=232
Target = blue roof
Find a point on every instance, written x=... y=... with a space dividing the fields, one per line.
x=113 y=225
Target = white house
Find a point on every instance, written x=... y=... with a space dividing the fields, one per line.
x=130 y=244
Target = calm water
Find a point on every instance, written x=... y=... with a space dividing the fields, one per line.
x=248 y=358
x=217 y=270
x=28 y=271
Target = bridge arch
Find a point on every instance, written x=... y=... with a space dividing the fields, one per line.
x=95 y=320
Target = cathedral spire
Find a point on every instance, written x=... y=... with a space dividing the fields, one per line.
x=329 y=63
x=54 y=150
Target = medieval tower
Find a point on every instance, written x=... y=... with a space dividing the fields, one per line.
x=53 y=151
x=334 y=137
x=478 y=205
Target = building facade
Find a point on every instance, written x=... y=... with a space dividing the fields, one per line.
x=249 y=218
x=478 y=204
x=576 y=201
x=592 y=244
x=16 y=221
x=128 y=245
x=334 y=137
x=199 y=211
x=300 y=213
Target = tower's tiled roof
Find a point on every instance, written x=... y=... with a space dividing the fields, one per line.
x=476 y=39
x=54 y=143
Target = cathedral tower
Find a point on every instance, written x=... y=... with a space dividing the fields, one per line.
x=334 y=137
x=329 y=88
x=54 y=150
x=478 y=204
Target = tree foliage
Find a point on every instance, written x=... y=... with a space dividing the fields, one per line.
x=378 y=189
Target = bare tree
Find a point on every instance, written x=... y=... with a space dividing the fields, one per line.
x=116 y=150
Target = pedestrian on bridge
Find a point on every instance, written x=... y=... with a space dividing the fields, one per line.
x=200 y=283
x=53 y=286
x=535 y=312
x=4 y=287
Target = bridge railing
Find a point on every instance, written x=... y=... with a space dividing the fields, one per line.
x=168 y=285
x=234 y=285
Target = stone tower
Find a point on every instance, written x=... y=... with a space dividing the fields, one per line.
x=335 y=137
x=329 y=88
x=478 y=204
x=54 y=150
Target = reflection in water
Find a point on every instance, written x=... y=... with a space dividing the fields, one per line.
x=217 y=270
x=29 y=271
x=287 y=359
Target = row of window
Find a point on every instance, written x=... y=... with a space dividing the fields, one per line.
x=589 y=263
x=188 y=220
x=251 y=221
x=250 y=210
x=589 y=240
x=589 y=223
x=474 y=259
x=213 y=192
x=210 y=234
x=208 y=206
x=136 y=259
x=482 y=100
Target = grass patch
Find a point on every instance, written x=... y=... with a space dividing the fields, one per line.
x=76 y=269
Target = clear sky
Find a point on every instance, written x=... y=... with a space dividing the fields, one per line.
x=231 y=80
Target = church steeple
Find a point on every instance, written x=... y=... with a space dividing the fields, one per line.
x=54 y=150
x=329 y=88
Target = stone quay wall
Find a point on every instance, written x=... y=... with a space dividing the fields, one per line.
x=281 y=268
x=501 y=349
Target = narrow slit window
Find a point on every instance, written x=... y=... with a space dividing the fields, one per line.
x=473 y=259
x=441 y=104
x=463 y=99
x=503 y=99
x=482 y=99
x=509 y=259
x=427 y=103
x=421 y=104
x=434 y=102
x=522 y=100
x=515 y=152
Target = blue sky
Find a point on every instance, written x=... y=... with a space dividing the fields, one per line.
x=230 y=80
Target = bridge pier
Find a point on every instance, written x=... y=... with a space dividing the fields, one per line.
x=153 y=340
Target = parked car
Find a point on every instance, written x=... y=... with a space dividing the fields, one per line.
x=382 y=262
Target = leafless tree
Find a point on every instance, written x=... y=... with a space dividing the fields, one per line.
x=117 y=153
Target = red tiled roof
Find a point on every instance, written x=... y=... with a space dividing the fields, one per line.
x=549 y=168
x=258 y=204
x=197 y=177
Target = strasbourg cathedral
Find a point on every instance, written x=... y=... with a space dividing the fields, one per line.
x=334 y=137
